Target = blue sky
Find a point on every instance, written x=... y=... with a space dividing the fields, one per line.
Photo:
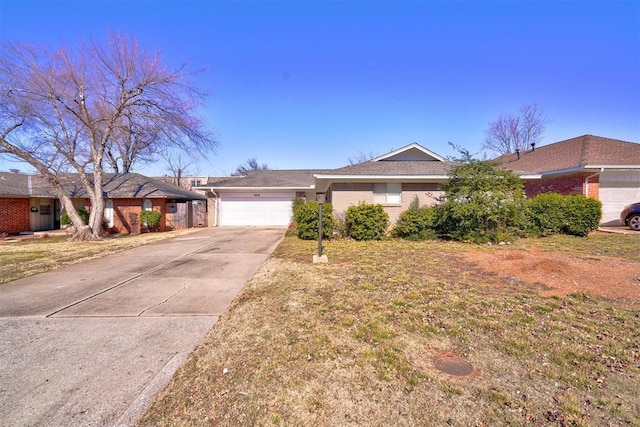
x=303 y=84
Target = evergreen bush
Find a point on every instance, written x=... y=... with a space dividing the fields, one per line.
x=366 y=221
x=582 y=215
x=82 y=213
x=416 y=223
x=546 y=213
x=150 y=218
x=482 y=203
x=306 y=218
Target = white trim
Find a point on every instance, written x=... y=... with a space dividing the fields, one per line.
x=407 y=148
x=601 y=167
x=311 y=187
x=587 y=168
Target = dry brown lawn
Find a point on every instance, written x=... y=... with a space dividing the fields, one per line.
x=551 y=327
x=24 y=257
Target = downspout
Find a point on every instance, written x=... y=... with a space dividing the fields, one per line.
x=215 y=210
x=586 y=181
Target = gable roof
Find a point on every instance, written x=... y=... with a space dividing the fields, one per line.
x=116 y=186
x=411 y=152
x=583 y=152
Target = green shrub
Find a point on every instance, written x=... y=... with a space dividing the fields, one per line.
x=82 y=213
x=482 y=203
x=582 y=215
x=553 y=213
x=546 y=213
x=366 y=222
x=416 y=223
x=295 y=203
x=150 y=218
x=306 y=218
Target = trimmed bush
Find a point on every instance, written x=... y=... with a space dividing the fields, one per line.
x=82 y=213
x=150 y=218
x=553 y=213
x=306 y=218
x=582 y=215
x=416 y=223
x=366 y=222
x=547 y=214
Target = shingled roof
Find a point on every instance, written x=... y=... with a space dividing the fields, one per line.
x=395 y=168
x=116 y=186
x=578 y=153
x=271 y=178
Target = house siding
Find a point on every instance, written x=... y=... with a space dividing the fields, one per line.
x=344 y=195
x=567 y=184
x=14 y=215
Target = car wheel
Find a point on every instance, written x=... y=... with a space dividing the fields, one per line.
x=634 y=222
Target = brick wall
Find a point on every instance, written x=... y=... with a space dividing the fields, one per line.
x=126 y=215
x=14 y=215
x=568 y=184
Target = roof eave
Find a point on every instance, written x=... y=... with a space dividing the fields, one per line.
x=381 y=177
x=261 y=188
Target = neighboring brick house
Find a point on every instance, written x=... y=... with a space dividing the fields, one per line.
x=28 y=204
x=603 y=168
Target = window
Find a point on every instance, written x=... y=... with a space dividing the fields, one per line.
x=387 y=193
x=195 y=183
x=147 y=205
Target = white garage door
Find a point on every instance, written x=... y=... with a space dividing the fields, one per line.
x=618 y=189
x=256 y=208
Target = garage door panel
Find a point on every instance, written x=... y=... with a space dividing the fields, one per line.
x=618 y=189
x=265 y=209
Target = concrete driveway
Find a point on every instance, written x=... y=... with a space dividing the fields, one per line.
x=93 y=343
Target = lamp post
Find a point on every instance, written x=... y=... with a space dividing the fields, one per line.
x=320 y=258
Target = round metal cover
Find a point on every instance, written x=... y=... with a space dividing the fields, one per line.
x=453 y=365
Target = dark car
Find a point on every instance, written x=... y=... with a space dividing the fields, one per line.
x=630 y=216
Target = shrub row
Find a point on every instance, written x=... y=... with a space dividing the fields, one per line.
x=475 y=219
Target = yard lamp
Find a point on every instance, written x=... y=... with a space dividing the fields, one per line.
x=320 y=258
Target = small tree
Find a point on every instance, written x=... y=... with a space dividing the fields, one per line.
x=481 y=203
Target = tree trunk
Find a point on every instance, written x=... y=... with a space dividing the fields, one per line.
x=84 y=233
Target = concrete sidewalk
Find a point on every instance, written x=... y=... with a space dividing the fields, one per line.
x=91 y=344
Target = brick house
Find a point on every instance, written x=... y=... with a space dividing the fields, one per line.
x=603 y=168
x=28 y=204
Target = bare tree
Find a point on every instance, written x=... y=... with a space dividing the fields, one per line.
x=512 y=132
x=179 y=166
x=69 y=109
x=250 y=165
x=361 y=157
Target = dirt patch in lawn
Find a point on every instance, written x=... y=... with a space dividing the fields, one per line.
x=561 y=274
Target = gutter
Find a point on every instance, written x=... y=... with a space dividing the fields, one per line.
x=586 y=181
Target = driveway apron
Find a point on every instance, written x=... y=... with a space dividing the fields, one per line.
x=92 y=344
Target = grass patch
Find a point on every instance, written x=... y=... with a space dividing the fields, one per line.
x=352 y=342
x=32 y=256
